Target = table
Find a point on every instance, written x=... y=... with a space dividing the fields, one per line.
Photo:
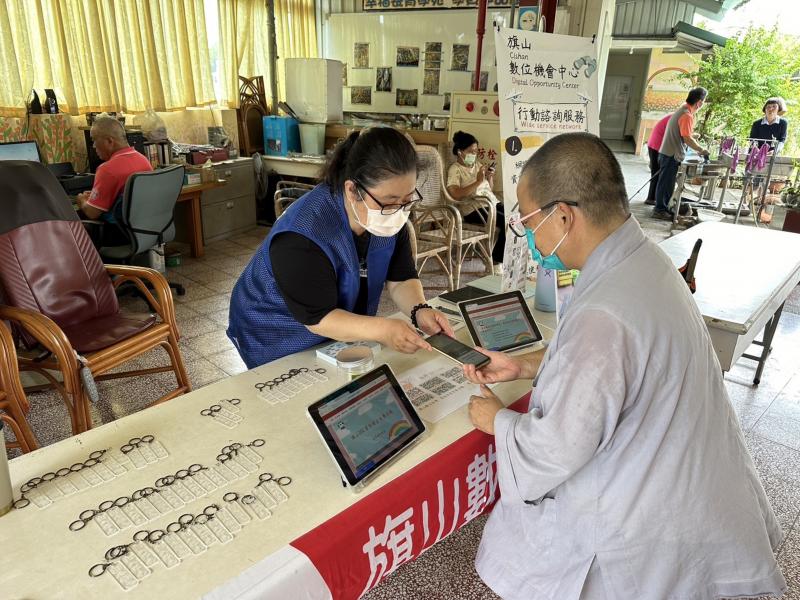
x=744 y=275
x=295 y=166
x=324 y=540
x=191 y=195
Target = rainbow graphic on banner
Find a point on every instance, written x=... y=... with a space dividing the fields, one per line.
x=399 y=429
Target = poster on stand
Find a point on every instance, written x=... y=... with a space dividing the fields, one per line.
x=547 y=85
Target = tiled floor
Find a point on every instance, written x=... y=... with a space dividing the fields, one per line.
x=770 y=413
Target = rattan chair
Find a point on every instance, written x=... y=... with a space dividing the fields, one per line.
x=13 y=404
x=467 y=238
x=287 y=192
x=61 y=301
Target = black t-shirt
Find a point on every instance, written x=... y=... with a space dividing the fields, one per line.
x=307 y=280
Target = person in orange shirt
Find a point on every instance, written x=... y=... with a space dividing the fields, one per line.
x=677 y=136
x=121 y=161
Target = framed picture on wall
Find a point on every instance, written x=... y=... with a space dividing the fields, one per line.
x=407 y=56
x=430 y=82
x=383 y=79
x=361 y=94
x=460 y=58
x=361 y=55
x=407 y=97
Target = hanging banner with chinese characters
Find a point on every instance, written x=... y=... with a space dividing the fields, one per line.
x=547 y=85
x=384 y=5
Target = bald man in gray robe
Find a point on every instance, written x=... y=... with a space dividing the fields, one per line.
x=629 y=477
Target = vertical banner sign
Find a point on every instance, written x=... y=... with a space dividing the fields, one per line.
x=547 y=85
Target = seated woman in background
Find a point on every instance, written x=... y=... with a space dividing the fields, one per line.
x=320 y=272
x=467 y=178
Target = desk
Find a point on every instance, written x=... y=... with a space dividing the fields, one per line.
x=307 y=546
x=191 y=194
x=744 y=275
x=294 y=166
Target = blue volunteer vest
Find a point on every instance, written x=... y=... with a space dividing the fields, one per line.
x=260 y=324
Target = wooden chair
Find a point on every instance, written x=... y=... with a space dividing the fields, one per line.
x=60 y=298
x=467 y=238
x=13 y=404
x=287 y=192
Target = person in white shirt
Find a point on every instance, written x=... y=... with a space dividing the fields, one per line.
x=467 y=178
x=629 y=478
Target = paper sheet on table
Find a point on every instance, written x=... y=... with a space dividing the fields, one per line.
x=437 y=387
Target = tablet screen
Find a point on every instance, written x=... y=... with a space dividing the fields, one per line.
x=501 y=322
x=366 y=423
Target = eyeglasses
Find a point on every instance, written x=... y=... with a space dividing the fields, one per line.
x=390 y=209
x=517 y=226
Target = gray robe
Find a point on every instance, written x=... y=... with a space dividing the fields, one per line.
x=629 y=477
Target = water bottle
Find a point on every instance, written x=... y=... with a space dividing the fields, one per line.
x=6 y=494
x=545 y=297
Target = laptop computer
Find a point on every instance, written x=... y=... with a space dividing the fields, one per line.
x=25 y=150
x=365 y=425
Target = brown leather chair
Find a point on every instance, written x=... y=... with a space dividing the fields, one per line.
x=13 y=404
x=61 y=299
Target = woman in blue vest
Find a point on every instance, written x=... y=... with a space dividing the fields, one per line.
x=320 y=272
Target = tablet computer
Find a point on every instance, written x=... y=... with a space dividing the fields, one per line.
x=366 y=424
x=463 y=294
x=501 y=322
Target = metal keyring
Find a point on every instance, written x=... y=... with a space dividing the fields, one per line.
x=97 y=454
x=135 y=441
x=116 y=552
x=87 y=514
x=186 y=519
x=141 y=535
x=77 y=525
x=148 y=491
x=214 y=508
x=223 y=457
x=169 y=479
x=62 y=472
x=21 y=503
x=202 y=516
x=206 y=412
x=121 y=501
x=283 y=481
x=105 y=505
x=90 y=462
x=304 y=370
x=174 y=527
x=225 y=449
x=98 y=569
x=248 y=499
x=230 y=497
x=235 y=401
x=182 y=474
x=137 y=495
x=76 y=467
x=320 y=370
x=25 y=488
x=148 y=439
x=48 y=476
x=195 y=468
x=125 y=448
x=160 y=482
x=264 y=477
x=155 y=535
x=258 y=442
x=36 y=481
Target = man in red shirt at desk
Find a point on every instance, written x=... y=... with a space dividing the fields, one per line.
x=121 y=161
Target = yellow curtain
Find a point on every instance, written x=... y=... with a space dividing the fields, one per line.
x=296 y=33
x=125 y=55
x=244 y=45
x=244 y=40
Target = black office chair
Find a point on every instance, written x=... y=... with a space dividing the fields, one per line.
x=146 y=215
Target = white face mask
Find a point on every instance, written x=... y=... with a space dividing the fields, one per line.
x=380 y=224
x=469 y=159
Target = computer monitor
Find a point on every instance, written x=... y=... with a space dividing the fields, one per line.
x=26 y=150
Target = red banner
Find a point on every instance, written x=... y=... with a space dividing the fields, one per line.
x=355 y=550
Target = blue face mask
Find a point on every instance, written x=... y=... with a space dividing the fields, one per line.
x=547 y=262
